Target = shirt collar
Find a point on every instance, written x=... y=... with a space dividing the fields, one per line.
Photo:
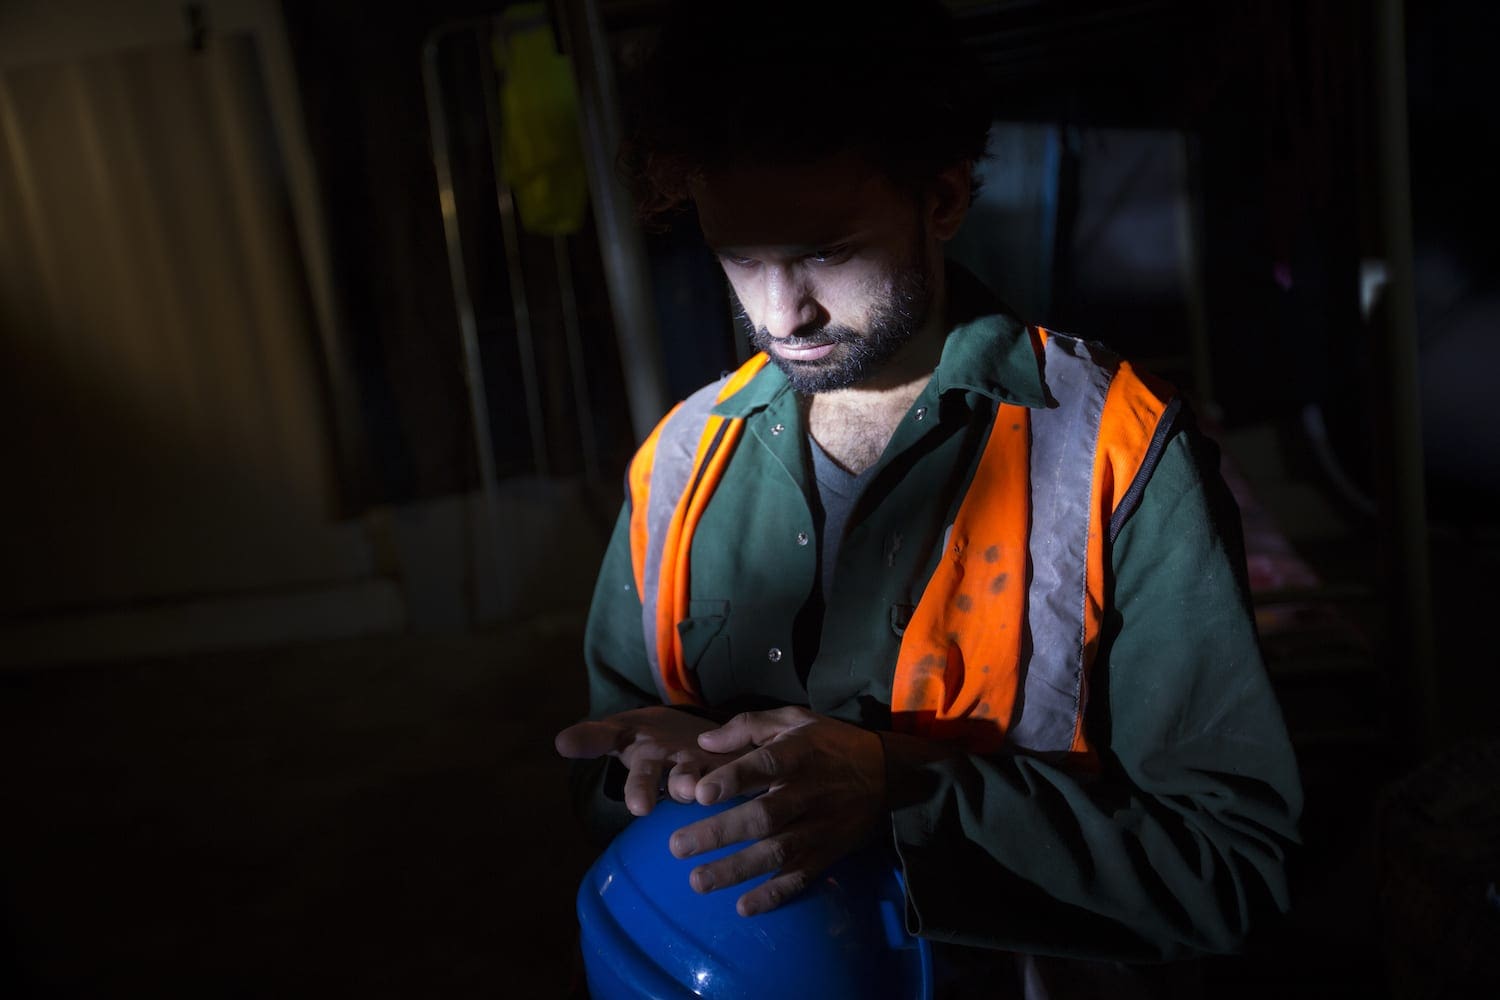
x=761 y=391
x=987 y=351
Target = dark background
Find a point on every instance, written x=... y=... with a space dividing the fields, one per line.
x=309 y=752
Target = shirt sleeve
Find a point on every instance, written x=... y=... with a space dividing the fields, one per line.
x=1178 y=844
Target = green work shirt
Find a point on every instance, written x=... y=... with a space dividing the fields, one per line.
x=1169 y=850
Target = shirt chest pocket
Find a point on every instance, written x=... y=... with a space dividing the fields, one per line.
x=705 y=646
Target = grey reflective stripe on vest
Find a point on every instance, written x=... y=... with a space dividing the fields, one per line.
x=670 y=469
x=1063 y=441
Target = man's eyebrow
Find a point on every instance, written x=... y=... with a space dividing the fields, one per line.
x=779 y=249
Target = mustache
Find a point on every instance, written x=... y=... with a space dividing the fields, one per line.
x=761 y=339
x=820 y=337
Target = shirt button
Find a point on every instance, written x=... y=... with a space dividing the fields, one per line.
x=801 y=538
x=921 y=412
x=777 y=429
x=774 y=655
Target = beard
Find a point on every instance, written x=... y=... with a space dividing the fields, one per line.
x=858 y=354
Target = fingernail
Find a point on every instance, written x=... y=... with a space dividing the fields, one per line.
x=682 y=846
x=708 y=794
x=703 y=880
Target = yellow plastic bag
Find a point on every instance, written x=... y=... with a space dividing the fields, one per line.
x=541 y=155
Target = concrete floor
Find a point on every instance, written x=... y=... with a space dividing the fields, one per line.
x=378 y=818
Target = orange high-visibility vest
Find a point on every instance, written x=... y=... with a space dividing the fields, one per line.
x=999 y=647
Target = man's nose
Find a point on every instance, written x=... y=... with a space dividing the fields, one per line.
x=790 y=304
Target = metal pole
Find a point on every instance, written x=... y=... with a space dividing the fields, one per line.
x=620 y=243
x=520 y=305
x=1406 y=514
x=571 y=329
x=479 y=409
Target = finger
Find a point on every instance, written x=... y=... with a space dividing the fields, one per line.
x=754 y=772
x=773 y=892
x=589 y=739
x=749 y=729
x=682 y=782
x=758 y=819
x=760 y=858
x=643 y=785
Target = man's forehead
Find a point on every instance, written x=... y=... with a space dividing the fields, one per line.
x=792 y=205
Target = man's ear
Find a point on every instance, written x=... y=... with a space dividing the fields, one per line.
x=948 y=200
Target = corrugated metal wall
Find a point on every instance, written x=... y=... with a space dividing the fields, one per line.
x=165 y=426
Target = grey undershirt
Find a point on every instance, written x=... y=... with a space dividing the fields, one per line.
x=838 y=492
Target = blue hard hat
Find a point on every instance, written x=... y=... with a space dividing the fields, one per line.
x=646 y=933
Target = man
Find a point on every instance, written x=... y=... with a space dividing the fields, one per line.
x=922 y=575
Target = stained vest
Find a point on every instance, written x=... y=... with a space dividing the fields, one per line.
x=982 y=663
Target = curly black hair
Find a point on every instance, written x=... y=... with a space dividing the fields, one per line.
x=795 y=81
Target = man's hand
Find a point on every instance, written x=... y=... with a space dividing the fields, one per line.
x=658 y=746
x=824 y=784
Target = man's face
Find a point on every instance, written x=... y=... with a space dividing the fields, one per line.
x=830 y=263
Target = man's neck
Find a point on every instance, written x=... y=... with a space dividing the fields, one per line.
x=854 y=425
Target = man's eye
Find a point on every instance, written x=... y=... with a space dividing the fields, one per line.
x=829 y=255
x=730 y=258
